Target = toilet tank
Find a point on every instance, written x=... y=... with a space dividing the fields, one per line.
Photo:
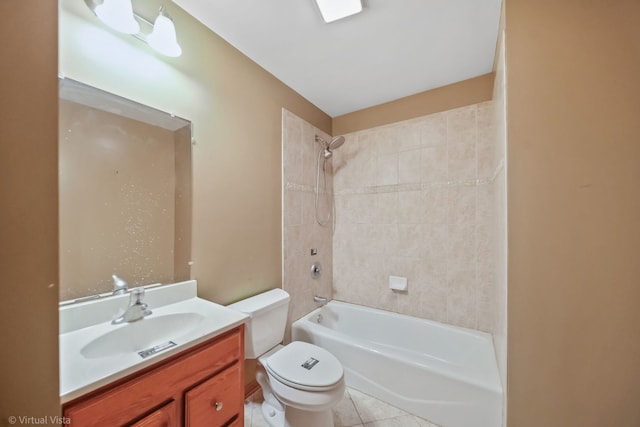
x=267 y=320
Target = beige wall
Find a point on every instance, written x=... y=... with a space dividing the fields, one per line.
x=29 y=214
x=472 y=91
x=573 y=114
x=236 y=109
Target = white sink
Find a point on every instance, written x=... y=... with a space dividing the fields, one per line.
x=141 y=335
x=94 y=352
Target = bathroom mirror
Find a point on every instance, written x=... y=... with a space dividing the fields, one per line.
x=124 y=193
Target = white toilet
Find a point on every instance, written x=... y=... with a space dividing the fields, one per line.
x=300 y=382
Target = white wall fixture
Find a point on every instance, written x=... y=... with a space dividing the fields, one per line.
x=332 y=10
x=163 y=37
x=398 y=283
x=120 y=16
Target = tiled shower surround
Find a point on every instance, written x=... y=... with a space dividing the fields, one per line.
x=416 y=199
x=301 y=232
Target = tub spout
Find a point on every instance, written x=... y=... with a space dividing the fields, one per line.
x=321 y=300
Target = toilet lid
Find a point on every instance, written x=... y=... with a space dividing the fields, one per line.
x=303 y=365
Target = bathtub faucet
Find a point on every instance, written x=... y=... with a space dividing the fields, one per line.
x=321 y=300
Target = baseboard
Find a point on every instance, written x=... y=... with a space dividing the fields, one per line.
x=251 y=388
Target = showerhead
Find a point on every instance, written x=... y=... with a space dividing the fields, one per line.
x=325 y=154
x=336 y=142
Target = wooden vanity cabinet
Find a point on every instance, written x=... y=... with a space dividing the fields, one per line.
x=207 y=403
x=200 y=387
x=166 y=416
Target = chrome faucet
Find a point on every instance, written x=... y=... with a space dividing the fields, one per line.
x=136 y=309
x=321 y=300
x=119 y=285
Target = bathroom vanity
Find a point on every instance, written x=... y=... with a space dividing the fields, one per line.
x=202 y=386
x=182 y=365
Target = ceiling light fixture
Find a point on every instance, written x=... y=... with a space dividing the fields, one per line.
x=119 y=15
x=332 y=10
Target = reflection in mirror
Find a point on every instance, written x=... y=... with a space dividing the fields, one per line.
x=125 y=193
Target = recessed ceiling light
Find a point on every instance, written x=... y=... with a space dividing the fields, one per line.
x=333 y=10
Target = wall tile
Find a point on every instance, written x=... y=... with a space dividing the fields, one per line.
x=355 y=162
x=409 y=207
x=461 y=243
x=387 y=139
x=292 y=150
x=434 y=163
x=409 y=245
x=301 y=231
x=486 y=160
x=461 y=162
x=292 y=207
x=410 y=137
x=293 y=237
x=461 y=125
x=435 y=205
x=309 y=153
x=433 y=130
x=461 y=296
x=388 y=207
x=413 y=199
x=387 y=169
x=461 y=204
x=434 y=243
x=419 y=217
x=409 y=166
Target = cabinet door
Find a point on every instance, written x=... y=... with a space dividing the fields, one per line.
x=216 y=402
x=167 y=381
x=163 y=417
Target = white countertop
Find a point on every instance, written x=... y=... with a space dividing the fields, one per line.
x=82 y=322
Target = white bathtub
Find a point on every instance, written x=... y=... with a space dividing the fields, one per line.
x=445 y=374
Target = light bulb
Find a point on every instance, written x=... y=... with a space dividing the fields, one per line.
x=118 y=14
x=163 y=37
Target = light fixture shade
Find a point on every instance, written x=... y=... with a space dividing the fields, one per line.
x=118 y=14
x=163 y=37
x=333 y=10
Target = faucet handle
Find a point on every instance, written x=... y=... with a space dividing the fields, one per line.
x=119 y=285
x=137 y=294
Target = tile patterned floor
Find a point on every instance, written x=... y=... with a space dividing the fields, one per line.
x=356 y=409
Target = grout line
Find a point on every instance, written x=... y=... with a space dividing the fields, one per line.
x=393 y=188
x=355 y=407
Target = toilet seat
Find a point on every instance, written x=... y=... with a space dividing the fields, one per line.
x=305 y=366
x=306 y=400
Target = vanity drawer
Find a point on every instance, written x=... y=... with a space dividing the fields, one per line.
x=167 y=416
x=142 y=392
x=216 y=402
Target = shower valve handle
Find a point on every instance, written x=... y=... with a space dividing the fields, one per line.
x=316 y=270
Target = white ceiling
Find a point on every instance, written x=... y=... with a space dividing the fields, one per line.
x=392 y=49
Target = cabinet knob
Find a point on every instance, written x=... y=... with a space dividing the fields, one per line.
x=218 y=406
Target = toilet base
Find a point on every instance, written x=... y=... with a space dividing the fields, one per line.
x=274 y=417
x=292 y=417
